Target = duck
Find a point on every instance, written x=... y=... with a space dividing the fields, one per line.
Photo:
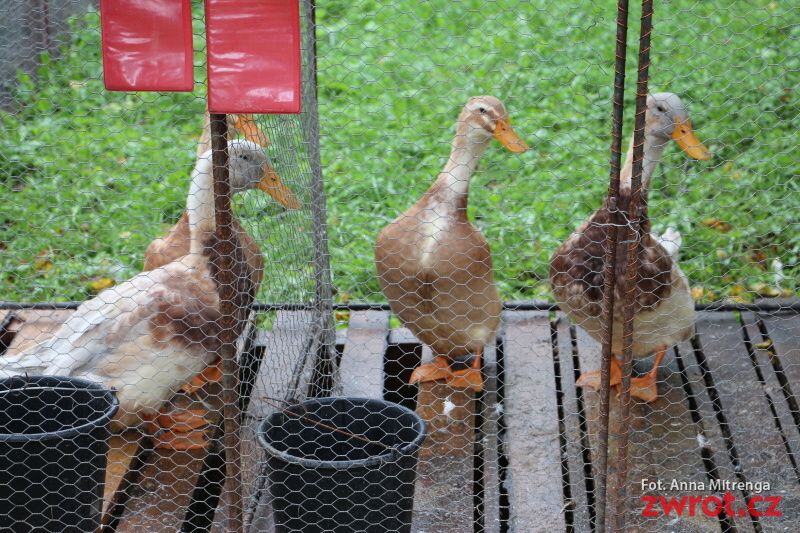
x=237 y=123
x=435 y=266
x=175 y=243
x=664 y=310
x=149 y=335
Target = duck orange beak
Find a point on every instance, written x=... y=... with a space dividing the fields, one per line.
x=504 y=133
x=688 y=141
x=248 y=126
x=272 y=184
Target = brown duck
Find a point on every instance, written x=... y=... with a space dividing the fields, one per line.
x=664 y=310
x=435 y=266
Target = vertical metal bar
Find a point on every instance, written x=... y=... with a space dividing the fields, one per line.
x=633 y=241
x=229 y=320
x=323 y=303
x=609 y=277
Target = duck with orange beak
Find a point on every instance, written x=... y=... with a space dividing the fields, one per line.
x=150 y=335
x=664 y=308
x=435 y=266
x=175 y=243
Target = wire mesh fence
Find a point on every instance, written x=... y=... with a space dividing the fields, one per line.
x=439 y=244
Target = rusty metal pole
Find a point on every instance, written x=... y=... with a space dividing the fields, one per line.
x=633 y=241
x=229 y=321
x=609 y=276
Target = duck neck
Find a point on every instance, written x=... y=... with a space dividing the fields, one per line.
x=200 y=206
x=653 y=150
x=451 y=188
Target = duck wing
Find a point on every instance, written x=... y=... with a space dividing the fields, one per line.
x=146 y=337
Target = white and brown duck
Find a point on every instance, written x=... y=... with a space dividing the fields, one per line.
x=664 y=310
x=150 y=335
x=176 y=242
x=435 y=266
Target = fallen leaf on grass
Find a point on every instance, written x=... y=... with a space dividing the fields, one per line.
x=762 y=289
x=737 y=290
x=717 y=224
x=100 y=284
x=758 y=257
x=699 y=292
x=42 y=264
x=738 y=299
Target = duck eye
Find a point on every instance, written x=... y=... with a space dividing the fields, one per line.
x=661 y=108
x=482 y=110
x=244 y=156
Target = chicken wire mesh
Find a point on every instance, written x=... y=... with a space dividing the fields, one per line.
x=90 y=178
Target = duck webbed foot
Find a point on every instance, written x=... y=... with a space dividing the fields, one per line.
x=178 y=430
x=462 y=373
x=592 y=379
x=211 y=374
x=643 y=388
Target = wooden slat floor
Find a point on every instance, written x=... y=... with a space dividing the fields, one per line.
x=520 y=455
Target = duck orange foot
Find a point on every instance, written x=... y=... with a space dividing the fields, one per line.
x=211 y=374
x=643 y=388
x=440 y=370
x=178 y=430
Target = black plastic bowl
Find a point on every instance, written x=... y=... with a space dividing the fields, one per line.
x=53 y=448
x=324 y=480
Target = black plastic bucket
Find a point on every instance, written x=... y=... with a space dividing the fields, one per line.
x=323 y=480
x=53 y=447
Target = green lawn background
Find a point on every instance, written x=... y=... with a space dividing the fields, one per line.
x=88 y=177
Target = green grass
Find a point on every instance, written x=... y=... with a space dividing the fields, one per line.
x=88 y=177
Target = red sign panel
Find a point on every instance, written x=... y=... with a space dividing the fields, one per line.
x=147 y=45
x=253 y=56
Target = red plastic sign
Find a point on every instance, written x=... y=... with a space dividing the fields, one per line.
x=147 y=45
x=253 y=56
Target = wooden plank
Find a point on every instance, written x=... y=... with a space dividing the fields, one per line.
x=362 y=364
x=9 y=325
x=489 y=408
x=443 y=499
x=402 y=336
x=711 y=440
x=37 y=326
x=761 y=452
x=169 y=477
x=772 y=372
x=784 y=330
x=160 y=500
x=532 y=444
x=284 y=364
x=578 y=453
x=122 y=449
x=662 y=447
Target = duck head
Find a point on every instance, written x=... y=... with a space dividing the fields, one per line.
x=250 y=168
x=667 y=119
x=484 y=118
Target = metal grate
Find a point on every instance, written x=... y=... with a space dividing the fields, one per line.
x=88 y=178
